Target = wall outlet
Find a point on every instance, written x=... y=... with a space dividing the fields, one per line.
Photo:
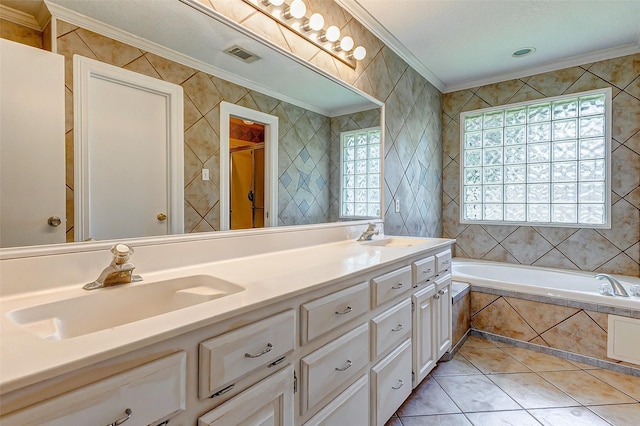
x=397 y=206
x=205 y=174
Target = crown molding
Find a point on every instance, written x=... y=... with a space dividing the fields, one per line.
x=377 y=29
x=600 y=55
x=20 y=18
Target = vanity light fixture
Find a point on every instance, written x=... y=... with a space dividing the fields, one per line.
x=314 y=23
x=292 y=14
x=297 y=10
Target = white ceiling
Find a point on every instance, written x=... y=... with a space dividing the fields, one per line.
x=458 y=44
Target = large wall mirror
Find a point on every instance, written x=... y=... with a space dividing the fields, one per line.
x=185 y=44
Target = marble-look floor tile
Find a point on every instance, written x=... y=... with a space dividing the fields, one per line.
x=510 y=418
x=532 y=391
x=491 y=361
x=478 y=342
x=583 y=366
x=476 y=393
x=440 y=420
x=393 y=421
x=428 y=398
x=623 y=382
x=567 y=416
x=585 y=388
x=457 y=366
x=538 y=361
x=619 y=415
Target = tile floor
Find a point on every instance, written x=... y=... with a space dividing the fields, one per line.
x=491 y=383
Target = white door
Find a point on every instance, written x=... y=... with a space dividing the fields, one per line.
x=32 y=176
x=129 y=153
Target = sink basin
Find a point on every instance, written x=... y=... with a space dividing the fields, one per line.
x=396 y=242
x=113 y=306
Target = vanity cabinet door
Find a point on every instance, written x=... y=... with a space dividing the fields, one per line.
x=148 y=394
x=269 y=402
x=333 y=310
x=443 y=297
x=425 y=331
x=391 y=327
x=391 y=383
x=230 y=356
x=391 y=285
x=351 y=407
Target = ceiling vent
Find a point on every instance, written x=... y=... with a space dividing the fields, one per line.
x=242 y=54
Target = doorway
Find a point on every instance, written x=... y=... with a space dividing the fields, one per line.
x=246 y=165
x=248 y=156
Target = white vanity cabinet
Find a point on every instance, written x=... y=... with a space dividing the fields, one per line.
x=351 y=407
x=390 y=383
x=425 y=330
x=145 y=395
x=269 y=402
x=443 y=313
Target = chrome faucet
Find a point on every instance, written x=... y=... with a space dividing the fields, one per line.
x=618 y=289
x=369 y=233
x=120 y=271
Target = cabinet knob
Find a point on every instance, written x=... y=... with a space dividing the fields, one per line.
x=54 y=221
x=161 y=217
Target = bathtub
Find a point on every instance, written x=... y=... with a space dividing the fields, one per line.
x=548 y=282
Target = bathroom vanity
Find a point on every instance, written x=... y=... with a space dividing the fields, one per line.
x=299 y=326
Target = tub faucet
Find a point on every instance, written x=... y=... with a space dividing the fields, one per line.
x=369 y=233
x=618 y=289
x=118 y=272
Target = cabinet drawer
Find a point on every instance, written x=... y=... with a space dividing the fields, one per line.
x=391 y=285
x=443 y=261
x=328 y=312
x=230 y=356
x=333 y=365
x=269 y=402
x=423 y=269
x=391 y=382
x=391 y=327
x=153 y=392
x=351 y=407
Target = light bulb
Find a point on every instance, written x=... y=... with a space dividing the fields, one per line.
x=345 y=44
x=332 y=34
x=296 y=10
x=272 y=2
x=315 y=22
x=358 y=53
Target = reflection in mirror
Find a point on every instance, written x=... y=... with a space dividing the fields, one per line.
x=309 y=129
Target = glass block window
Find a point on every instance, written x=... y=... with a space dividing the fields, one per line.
x=544 y=162
x=361 y=173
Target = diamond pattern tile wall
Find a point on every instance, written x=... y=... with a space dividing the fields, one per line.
x=614 y=250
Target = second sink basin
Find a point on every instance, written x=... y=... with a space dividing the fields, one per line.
x=396 y=242
x=119 y=305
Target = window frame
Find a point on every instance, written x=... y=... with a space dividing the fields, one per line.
x=341 y=214
x=607 y=92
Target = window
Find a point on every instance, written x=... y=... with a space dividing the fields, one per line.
x=361 y=173
x=543 y=162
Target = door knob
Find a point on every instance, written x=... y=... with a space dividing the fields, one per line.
x=161 y=217
x=54 y=221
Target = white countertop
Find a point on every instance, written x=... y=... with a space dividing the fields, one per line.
x=267 y=278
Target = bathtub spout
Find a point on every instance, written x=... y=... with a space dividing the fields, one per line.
x=618 y=289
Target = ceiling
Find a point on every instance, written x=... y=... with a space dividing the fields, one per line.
x=459 y=44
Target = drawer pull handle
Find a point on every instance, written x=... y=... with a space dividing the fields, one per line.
x=398 y=386
x=446 y=262
x=398 y=286
x=346 y=311
x=264 y=351
x=437 y=296
x=398 y=327
x=440 y=292
x=128 y=413
x=346 y=366
x=427 y=271
x=276 y=362
x=223 y=391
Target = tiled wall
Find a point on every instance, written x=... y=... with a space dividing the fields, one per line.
x=616 y=250
x=20 y=34
x=304 y=136
x=413 y=124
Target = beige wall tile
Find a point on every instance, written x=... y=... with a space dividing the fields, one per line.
x=618 y=71
x=500 y=318
x=108 y=50
x=555 y=83
x=480 y=301
x=540 y=316
x=499 y=93
x=578 y=334
x=20 y=34
x=626 y=110
x=169 y=70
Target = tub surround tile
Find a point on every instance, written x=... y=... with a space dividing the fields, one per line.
x=526 y=245
x=555 y=259
x=619 y=415
x=567 y=416
x=600 y=249
x=501 y=318
x=476 y=393
x=580 y=334
x=601 y=319
x=540 y=319
x=479 y=301
x=585 y=388
x=428 y=398
x=492 y=360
